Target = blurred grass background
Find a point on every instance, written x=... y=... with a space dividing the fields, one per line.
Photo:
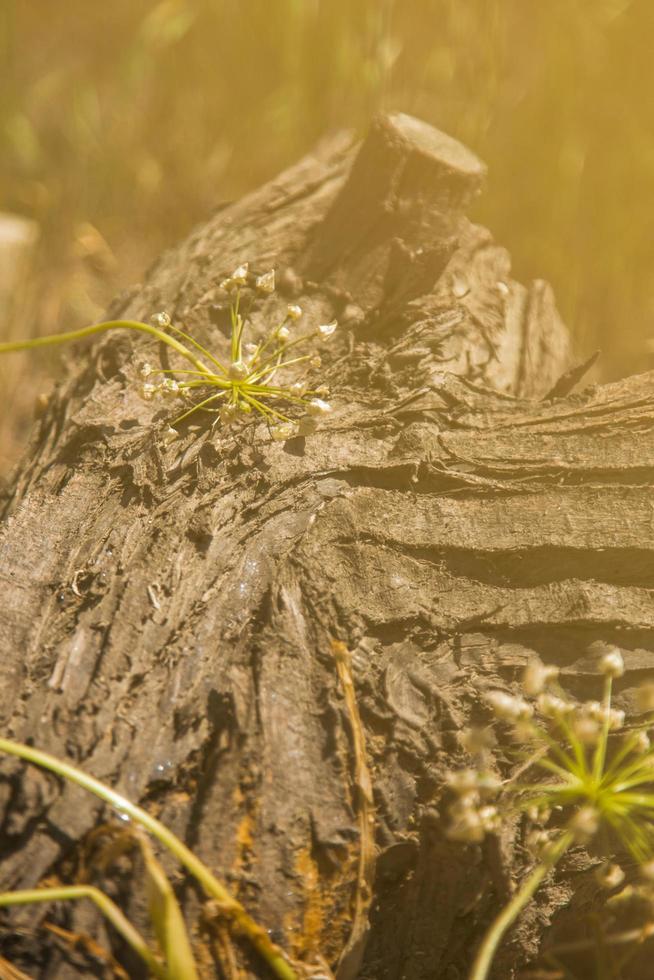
x=123 y=124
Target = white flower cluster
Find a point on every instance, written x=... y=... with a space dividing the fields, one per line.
x=544 y=715
x=586 y=719
x=248 y=382
x=580 y=780
x=471 y=815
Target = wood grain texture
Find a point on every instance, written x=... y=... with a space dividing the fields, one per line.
x=169 y=610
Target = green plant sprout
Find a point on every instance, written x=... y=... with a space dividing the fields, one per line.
x=594 y=793
x=224 y=901
x=247 y=384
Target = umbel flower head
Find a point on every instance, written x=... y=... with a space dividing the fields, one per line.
x=584 y=780
x=248 y=383
x=598 y=777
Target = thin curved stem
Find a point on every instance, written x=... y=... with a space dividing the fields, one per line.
x=271 y=368
x=600 y=752
x=199 y=407
x=512 y=910
x=203 y=350
x=108 y=908
x=72 y=335
x=264 y=409
x=212 y=887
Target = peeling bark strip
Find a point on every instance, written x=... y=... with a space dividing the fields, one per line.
x=350 y=959
x=168 y=610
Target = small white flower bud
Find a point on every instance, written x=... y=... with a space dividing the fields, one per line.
x=170 y=435
x=616 y=719
x=507 y=707
x=145 y=370
x=537 y=676
x=641 y=742
x=280 y=433
x=539 y=814
x=283 y=333
x=161 y=320
x=148 y=391
x=318 y=407
x=298 y=389
x=594 y=710
x=609 y=875
x=490 y=819
x=294 y=312
x=315 y=361
x=169 y=384
x=537 y=841
x=585 y=823
x=586 y=729
x=327 y=329
x=239 y=276
x=266 y=282
x=227 y=284
x=611 y=663
x=463 y=804
x=552 y=707
x=238 y=371
x=468 y=829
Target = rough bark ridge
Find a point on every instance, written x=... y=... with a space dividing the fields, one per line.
x=168 y=611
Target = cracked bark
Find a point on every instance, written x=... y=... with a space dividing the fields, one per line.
x=168 y=612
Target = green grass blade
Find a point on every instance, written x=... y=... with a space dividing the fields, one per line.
x=110 y=910
x=167 y=919
x=484 y=958
x=212 y=887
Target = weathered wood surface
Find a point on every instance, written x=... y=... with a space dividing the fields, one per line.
x=168 y=611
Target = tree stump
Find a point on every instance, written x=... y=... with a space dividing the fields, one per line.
x=183 y=621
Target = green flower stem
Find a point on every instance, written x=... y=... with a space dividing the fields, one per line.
x=512 y=910
x=194 y=343
x=618 y=757
x=212 y=887
x=600 y=751
x=271 y=366
x=107 y=907
x=264 y=409
x=63 y=338
x=273 y=391
x=283 y=347
x=237 y=330
x=199 y=407
x=209 y=379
